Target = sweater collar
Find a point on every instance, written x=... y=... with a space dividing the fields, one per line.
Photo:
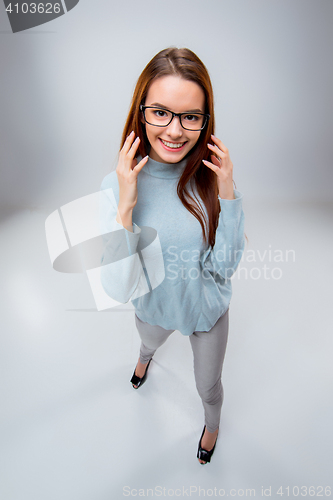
x=163 y=170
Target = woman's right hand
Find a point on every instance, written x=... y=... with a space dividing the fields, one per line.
x=127 y=172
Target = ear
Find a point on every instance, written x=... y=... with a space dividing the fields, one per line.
x=142 y=120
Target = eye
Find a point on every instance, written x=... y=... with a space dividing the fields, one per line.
x=191 y=118
x=159 y=113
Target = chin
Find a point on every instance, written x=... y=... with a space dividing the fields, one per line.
x=172 y=159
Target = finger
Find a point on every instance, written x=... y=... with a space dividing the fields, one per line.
x=128 y=142
x=211 y=166
x=217 y=150
x=133 y=148
x=216 y=161
x=141 y=164
x=220 y=144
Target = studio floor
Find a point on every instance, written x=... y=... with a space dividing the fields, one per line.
x=72 y=426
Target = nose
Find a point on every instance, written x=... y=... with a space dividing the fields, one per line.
x=175 y=130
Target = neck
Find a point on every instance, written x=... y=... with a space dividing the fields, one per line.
x=163 y=170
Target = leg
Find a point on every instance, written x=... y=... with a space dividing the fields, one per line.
x=152 y=337
x=208 y=356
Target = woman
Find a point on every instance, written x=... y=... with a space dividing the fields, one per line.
x=176 y=177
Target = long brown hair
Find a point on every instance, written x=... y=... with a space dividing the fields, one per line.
x=184 y=63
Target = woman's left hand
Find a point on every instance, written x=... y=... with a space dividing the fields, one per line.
x=223 y=168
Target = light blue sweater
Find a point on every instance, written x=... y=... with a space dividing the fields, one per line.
x=177 y=282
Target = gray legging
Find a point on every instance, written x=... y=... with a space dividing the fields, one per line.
x=208 y=355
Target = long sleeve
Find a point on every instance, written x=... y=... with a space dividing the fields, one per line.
x=229 y=245
x=122 y=274
x=189 y=285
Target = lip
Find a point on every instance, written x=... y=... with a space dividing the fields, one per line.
x=172 y=149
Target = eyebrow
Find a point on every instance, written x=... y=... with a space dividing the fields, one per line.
x=164 y=107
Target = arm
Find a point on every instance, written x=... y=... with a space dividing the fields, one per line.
x=229 y=239
x=229 y=245
x=124 y=217
x=122 y=274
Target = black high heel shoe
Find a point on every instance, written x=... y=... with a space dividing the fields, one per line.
x=204 y=454
x=135 y=380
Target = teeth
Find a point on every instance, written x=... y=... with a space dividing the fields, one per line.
x=173 y=145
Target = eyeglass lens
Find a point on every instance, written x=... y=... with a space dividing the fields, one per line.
x=161 y=117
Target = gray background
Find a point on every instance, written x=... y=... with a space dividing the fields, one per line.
x=72 y=426
x=66 y=88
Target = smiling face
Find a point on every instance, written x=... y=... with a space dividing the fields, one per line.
x=178 y=95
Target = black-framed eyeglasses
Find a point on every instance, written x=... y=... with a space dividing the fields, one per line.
x=159 y=117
